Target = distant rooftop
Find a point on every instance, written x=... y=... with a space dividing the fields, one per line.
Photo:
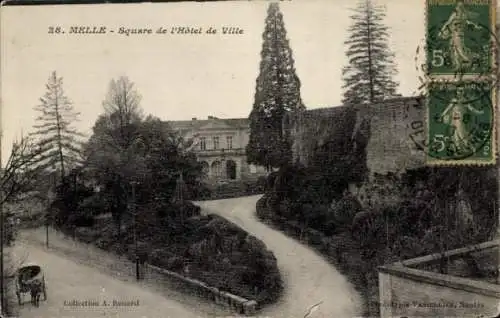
x=197 y=123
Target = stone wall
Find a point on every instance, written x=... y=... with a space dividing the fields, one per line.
x=406 y=296
x=415 y=288
x=391 y=148
x=392 y=122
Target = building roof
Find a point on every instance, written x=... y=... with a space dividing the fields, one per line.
x=197 y=123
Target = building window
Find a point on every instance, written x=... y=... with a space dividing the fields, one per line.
x=216 y=169
x=229 y=140
x=216 y=142
x=203 y=143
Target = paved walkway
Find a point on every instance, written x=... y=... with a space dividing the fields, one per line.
x=75 y=272
x=311 y=282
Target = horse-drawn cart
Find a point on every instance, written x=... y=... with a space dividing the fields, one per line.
x=30 y=279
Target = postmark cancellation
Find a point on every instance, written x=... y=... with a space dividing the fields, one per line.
x=461 y=81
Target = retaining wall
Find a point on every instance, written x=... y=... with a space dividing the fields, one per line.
x=236 y=303
x=406 y=291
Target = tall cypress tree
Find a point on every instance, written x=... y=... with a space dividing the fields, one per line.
x=277 y=93
x=368 y=78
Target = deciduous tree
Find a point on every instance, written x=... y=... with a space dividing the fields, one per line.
x=22 y=170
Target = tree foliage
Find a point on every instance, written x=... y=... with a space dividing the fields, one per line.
x=122 y=110
x=369 y=75
x=60 y=141
x=457 y=201
x=277 y=93
x=341 y=159
x=128 y=150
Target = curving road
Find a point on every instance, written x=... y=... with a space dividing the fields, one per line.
x=68 y=280
x=309 y=279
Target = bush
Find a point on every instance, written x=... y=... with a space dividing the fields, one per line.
x=255 y=186
x=159 y=257
x=270 y=180
x=87 y=235
x=217 y=251
x=81 y=221
x=285 y=208
x=262 y=210
x=32 y=220
x=104 y=243
x=318 y=216
x=253 y=274
x=344 y=211
x=314 y=237
x=261 y=183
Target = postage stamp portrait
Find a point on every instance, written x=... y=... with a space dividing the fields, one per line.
x=460 y=122
x=459 y=36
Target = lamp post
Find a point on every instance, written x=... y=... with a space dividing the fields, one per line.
x=47 y=223
x=2 y=234
x=135 y=230
x=2 y=285
x=50 y=197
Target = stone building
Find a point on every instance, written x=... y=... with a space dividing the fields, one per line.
x=220 y=146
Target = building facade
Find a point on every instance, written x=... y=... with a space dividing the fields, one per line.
x=220 y=146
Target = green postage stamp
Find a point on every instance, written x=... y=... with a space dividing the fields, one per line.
x=461 y=67
x=460 y=118
x=460 y=37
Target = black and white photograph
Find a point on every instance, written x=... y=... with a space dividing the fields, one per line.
x=272 y=159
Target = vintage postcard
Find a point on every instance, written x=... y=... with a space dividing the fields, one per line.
x=280 y=159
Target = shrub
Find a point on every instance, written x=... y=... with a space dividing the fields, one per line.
x=159 y=257
x=317 y=216
x=344 y=211
x=176 y=263
x=262 y=210
x=104 y=243
x=270 y=180
x=285 y=208
x=314 y=237
x=255 y=186
x=86 y=234
x=217 y=251
x=261 y=183
x=81 y=220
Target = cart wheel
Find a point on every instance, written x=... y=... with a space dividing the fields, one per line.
x=18 y=297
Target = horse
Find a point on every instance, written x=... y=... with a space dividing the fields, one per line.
x=35 y=290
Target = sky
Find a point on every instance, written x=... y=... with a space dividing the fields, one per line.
x=182 y=76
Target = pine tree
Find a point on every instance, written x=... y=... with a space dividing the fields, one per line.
x=54 y=130
x=369 y=76
x=277 y=93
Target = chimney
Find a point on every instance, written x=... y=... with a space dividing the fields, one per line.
x=194 y=118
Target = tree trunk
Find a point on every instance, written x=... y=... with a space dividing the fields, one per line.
x=59 y=141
